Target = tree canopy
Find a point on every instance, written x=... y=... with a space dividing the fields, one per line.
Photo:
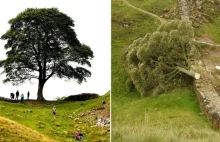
x=155 y=62
x=42 y=43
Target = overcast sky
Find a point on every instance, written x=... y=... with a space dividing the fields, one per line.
x=93 y=28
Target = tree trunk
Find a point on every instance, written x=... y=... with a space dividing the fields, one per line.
x=190 y=73
x=40 y=96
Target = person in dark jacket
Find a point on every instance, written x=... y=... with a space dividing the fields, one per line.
x=17 y=95
x=28 y=95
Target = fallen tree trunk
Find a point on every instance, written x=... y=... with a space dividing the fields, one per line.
x=190 y=73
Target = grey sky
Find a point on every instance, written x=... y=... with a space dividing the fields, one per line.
x=93 y=28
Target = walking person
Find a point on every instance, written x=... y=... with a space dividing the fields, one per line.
x=22 y=98
x=54 y=112
x=28 y=95
x=17 y=95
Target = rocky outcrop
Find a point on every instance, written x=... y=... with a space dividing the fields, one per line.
x=103 y=122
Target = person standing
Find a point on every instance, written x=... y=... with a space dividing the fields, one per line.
x=22 y=98
x=28 y=95
x=54 y=112
x=17 y=95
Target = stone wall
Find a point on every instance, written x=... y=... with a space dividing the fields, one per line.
x=194 y=10
x=208 y=98
x=209 y=106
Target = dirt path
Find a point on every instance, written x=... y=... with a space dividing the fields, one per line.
x=162 y=20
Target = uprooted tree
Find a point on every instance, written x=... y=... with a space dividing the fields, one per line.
x=42 y=43
x=159 y=60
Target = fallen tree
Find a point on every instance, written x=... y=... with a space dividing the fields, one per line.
x=190 y=73
x=159 y=60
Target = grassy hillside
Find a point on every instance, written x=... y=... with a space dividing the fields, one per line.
x=158 y=7
x=122 y=37
x=211 y=29
x=174 y=116
x=71 y=117
x=11 y=131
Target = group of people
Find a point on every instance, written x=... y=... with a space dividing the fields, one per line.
x=16 y=96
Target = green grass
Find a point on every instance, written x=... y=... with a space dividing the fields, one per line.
x=11 y=131
x=154 y=6
x=122 y=37
x=174 y=116
x=38 y=116
x=211 y=29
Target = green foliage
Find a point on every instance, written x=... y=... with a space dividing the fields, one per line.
x=60 y=98
x=130 y=85
x=153 y=60
x=42 y=43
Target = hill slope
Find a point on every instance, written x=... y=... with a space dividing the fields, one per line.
x=174 y=116
x=71 y=117
x=11 y=131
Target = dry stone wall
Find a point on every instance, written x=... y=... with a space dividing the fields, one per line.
x=193 y=9
x=208 y=98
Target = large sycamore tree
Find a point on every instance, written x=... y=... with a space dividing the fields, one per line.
x=42 y=43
